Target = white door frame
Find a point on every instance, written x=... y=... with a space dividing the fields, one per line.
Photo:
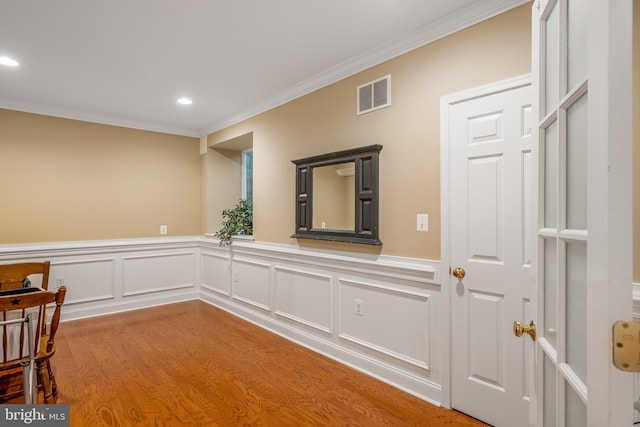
x=445 y=263
x=610 y=138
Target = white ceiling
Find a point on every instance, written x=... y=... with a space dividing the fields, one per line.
x=125 y=62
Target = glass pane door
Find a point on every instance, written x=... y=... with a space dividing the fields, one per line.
x=562 y=232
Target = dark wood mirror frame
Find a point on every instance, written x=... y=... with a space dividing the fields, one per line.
x=366 y=200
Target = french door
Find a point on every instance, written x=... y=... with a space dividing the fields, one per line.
x=582 y=79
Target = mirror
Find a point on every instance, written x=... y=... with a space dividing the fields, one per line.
x=333 y=195
x=337 y=196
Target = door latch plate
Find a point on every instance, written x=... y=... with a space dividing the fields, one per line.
x=626 y=345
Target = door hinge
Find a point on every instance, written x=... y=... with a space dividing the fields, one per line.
x=626 y=346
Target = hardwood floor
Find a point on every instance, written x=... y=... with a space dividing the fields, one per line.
x=191 y=364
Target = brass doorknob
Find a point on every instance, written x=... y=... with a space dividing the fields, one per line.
x=519 y=329
x=458 y=272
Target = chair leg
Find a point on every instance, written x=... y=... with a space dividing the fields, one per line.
x=43 y=375
x=52 y=379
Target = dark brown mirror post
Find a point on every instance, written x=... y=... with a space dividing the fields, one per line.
x=365 y=203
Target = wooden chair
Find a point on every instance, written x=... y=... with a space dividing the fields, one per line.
x=14 y=349
x=13 y=275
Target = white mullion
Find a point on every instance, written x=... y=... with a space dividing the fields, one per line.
x=563 y=48
x=574 y=235
x=561 y=303
x=542 y=65
x=560 y=398
x=542 y=150
x=541 y=292
x=575 y=94
x=545 y=119
x=548 y=349
x=548 y=119
x=576 y=383
x=561 y=218
x=548 y=232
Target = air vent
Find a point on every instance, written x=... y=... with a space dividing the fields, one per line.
x=374 y=95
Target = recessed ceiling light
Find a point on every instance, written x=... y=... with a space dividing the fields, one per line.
x=184 y=101
x=5 y=60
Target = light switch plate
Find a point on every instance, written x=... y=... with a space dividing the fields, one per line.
x=422 y=222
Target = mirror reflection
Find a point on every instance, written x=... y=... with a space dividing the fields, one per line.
x=333 y=195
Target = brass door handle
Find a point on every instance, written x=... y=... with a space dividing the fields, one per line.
x=458 y=272
x=519 y=329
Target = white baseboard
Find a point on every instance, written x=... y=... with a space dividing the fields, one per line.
x=112 y=276
x=82 y=312
x=306 y=296
x=406 y=381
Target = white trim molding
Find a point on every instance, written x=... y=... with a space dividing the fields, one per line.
x=111 y=276
x=308 y=296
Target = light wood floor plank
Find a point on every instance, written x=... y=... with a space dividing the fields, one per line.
x=192 y=364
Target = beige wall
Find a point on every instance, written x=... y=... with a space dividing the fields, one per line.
x=224 y=173
x=65 y=180
x=409 y=130
x=69 y=180
x=636 y=140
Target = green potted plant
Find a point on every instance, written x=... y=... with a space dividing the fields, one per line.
x=238 y=220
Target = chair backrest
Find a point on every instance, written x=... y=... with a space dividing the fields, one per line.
x=17 y=304
x=12 y=276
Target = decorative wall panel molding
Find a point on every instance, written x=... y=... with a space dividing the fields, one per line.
x=105 y=277
x=157 y=272
x=250 y=282
x=311 y=297
x=304 y=297
x=406 y=315
x=307 y=296
x=415 y=270
x=215 y=271
x=87 y=280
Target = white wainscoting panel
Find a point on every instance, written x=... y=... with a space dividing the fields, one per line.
x=216 y=271
x=250 y=282
x=157 y=272
x=307 y=295
x=110 y=276
x=86 y=280
x=394 y=322
x=304 y=297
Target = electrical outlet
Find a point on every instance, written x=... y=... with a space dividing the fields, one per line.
x=59 y=281
x=422 y=222
x=163 y=229
x=359 y=309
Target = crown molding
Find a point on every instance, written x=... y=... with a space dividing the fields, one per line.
x=94 y=118
x=464 y=18
x=476 y=12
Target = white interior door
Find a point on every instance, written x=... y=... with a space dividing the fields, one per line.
x=581 y=69
x=489 y=174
